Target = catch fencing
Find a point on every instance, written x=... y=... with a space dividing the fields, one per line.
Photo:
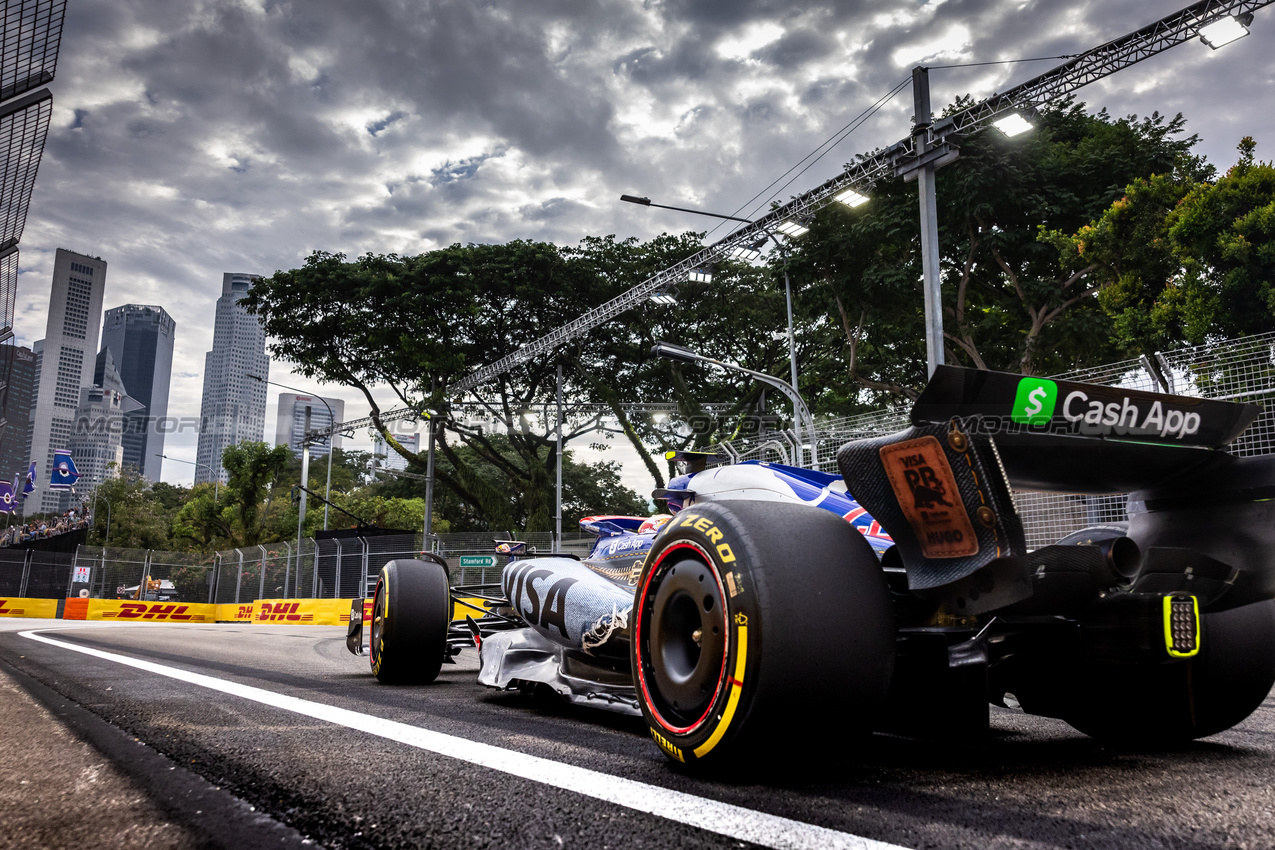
x=1241 y=370
x=341 y=568
x=1235 y=370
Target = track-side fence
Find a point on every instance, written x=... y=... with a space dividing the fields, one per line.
x=341 y=568
x=1234 y=370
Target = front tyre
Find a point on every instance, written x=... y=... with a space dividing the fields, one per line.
x=761 y=631
x=410 y=615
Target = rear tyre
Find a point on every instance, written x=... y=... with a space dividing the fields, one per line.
x=1195 y=698
x=410 y=615
x=762 y=633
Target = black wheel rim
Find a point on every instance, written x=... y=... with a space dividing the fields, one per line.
x=686 y=642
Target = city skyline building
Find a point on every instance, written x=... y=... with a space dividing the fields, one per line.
x=387 y=458
x=18 y=363
x=233 y=406
x=141 y=340
x=101 y=422
x=289 y=426
x=66 y=363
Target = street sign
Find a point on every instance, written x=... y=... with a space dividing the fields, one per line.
x=478 y=560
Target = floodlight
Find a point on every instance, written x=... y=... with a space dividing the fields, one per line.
x=1224 y=30
x=792 y=228
x=851 y=198
x=700 y=276
x=664 y=297
x=749 y=252
x=1012 y=124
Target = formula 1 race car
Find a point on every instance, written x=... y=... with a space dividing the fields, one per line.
x=779 y=605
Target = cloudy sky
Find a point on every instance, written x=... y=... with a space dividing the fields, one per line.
x=195 y=138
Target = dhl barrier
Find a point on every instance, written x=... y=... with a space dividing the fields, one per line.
x=313 y=612
x=42 y=608
x=152 y=612
x=283 y=612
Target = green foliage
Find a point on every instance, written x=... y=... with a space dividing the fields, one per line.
x=191 y=583
x=200 y=521
x=138 y=517
x=252 y=469
x=1181 y=259
x=1008 y=302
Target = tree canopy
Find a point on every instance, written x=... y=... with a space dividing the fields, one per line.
x=1087 y=240
x=1184 y=260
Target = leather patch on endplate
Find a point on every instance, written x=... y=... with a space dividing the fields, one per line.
x=926 y=489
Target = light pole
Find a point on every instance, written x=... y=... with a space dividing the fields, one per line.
x=216 y=477
x=783 y=251
x=678 y=352
x=332 y=423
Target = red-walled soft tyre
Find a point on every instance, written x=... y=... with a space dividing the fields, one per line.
x=761 y=632
x=410 y=615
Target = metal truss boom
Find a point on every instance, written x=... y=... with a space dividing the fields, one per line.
x=586 y=408
x=897 y=160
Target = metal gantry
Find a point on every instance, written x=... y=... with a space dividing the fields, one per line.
x=929 y=144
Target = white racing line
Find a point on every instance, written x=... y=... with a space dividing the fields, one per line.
x=724 y=819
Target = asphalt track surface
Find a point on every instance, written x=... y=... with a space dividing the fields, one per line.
x=243 y=736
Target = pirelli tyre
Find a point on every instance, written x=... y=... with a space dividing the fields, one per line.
x=1192 y=698
x=760 y=628
x=410 y=615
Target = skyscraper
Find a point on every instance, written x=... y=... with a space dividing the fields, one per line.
x=140 y=338
x=387 y=458
x=100 y=422
x=289 y=427
x=19 y=364
x=233 y=406
x=66 y=365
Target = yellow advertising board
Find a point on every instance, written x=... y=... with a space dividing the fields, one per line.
x=234 y=612
x=44 y=608
x=147 y=612
x=293 y=612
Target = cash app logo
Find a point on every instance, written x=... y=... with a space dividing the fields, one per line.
x=1034 y=402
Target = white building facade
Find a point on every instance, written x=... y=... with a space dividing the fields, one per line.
x=387 y=458
x=289 y=426
x=233 y=407
x=65 y=360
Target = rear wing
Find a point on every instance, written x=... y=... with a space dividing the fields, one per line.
x=1083 y=438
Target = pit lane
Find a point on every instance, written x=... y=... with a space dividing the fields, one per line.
x=1034 y=783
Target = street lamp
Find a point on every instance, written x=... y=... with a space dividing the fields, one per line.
x=789 y=228
x=216 y=477
x=332 y=423
x=686 y=355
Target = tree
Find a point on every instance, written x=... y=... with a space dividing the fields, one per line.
x=1008 y=302
x=200 y=521
x=139 y=518
x=1182 y=260
x=253 y=468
